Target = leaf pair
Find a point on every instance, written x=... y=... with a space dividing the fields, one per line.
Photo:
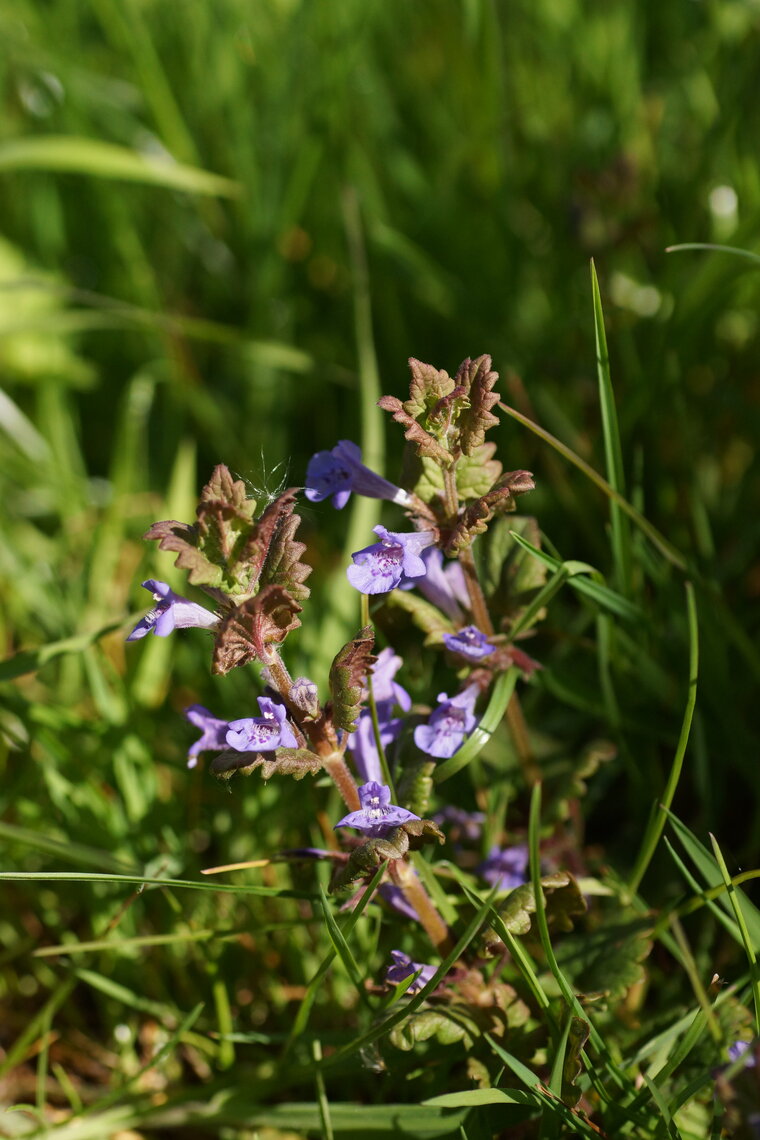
x=252 y=567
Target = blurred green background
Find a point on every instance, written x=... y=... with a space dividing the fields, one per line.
x=200 y=206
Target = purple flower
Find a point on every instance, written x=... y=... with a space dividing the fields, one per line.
x=170 y=612
x=341 y=471
x=397 y=900
x=364 y=747
x=444 y=584
x=262 y=733
x=507 y=866
x=449 y=724
x=464 y=825
x=214 y=738
x=742 y=1049
x=384 y=689
x=305 y=695
x=377 y=814
x=380 y=567
x=403 y=967
x=468 y=642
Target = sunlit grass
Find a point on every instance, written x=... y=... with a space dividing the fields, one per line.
x=226 y=230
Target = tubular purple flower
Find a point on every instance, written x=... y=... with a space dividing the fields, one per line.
x=380 y=567
x=397 y=900
x=384 y=689
x=363 y=746
x=170 y=612
x=449 y=724
x=742 y=1049
x=341 y=471
x=403 y=967
x=377 y=815
x=443 y=584
x=462 y=825
x=468 y=642
x=262 y=733
x=507 y=866
x=214 y=738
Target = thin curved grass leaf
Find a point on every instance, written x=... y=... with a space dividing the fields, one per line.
x=511 y=577
x=95 y=158
x=576 y=575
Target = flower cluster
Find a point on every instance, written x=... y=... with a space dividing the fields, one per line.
x=379 y=750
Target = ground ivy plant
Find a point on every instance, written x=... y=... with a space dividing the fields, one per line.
x=510 y=949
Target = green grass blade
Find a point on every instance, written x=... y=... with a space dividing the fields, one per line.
x=15 y=1053
x=32 y=660
x=574 y=1121
x=542 y=598
x=712 y=875
x=343 y=950
x=73 y=155
x=621 y=531
x=66 y=849
x=514 y=945
x=380 y=1030
x=750 y=946
x=301 y=1020
x=666 y=549
x=50 y=877
x=322 y=1101
x=714 y=248
x=592 y=586
x=659 y=813
x=659 y=1100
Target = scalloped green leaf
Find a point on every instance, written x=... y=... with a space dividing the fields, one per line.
x=563 y=902
x=477 y=473
x=604 y=962
x=511 y=577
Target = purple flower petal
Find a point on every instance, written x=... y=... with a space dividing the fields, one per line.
x=363 y=746
x=380 y=567
x=262 y=733
x=214 y=730
x=468 y=642
x=742 y=1049
x=464 y=825
x=449 y=724
x=443 y=584
x=507 y=866
x=377 y=815
x=384 y=688
x=341 y=471
x=170 y=612
x=397 y=900
x=403 y=967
